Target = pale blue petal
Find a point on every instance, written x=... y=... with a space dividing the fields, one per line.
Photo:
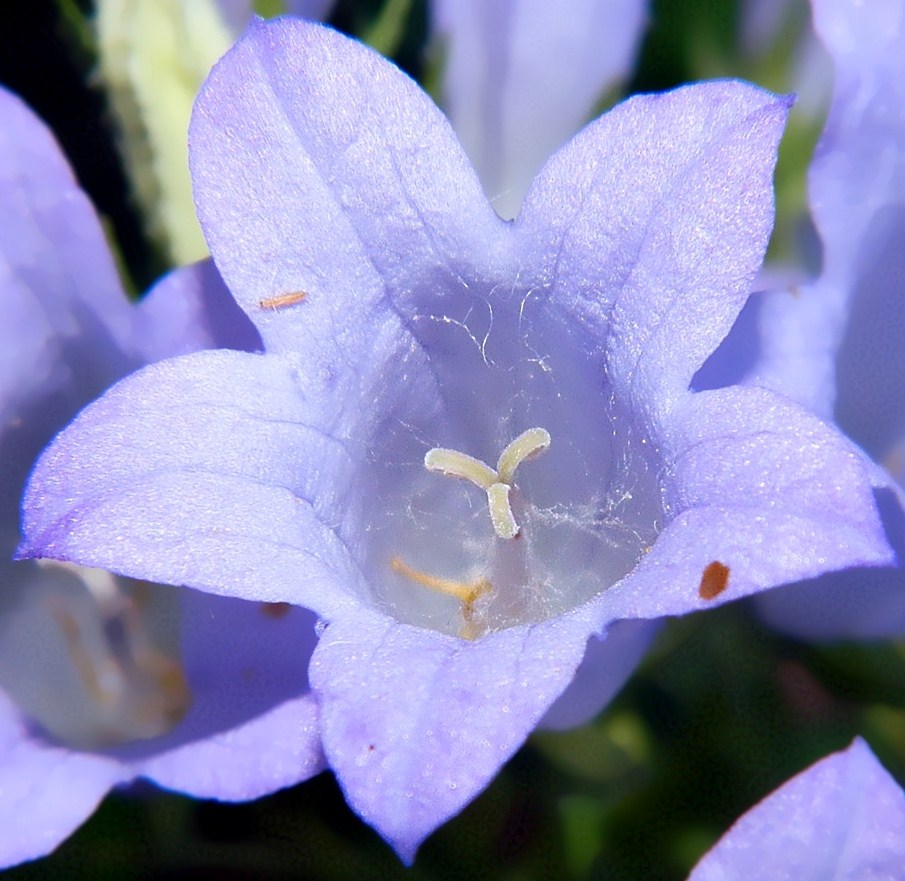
x=191 y=309
x=220 y=470
x=606 y=666
x=46 y=791
x=834 y=345
x=416 y=723
x=654 y=248
x=843 y=819
x=252 y=727
x=361 y=196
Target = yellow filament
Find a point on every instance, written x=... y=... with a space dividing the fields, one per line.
x=456 y=464
x=461 y=590
x=526 y=446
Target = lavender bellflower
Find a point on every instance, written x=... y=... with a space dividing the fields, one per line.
x=469 y=445
x=103 y=679
x=834 y=344
x=842 y=818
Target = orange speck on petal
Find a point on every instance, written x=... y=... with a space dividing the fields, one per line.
x=713 y=580
x=283 y=300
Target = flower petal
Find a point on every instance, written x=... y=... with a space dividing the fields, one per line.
x=252 y=727
x=65 y=324
x=349 y=181
x=276 y=749
x=843 y=817
x=836 y=342
x=275 y=742
x=851 y=604
x=653 y=248
x=761 y=487
x=218 y=470
x=520 y=78
x=415 y=723
x=604 y=669
x=57 y=272
x=47 y=791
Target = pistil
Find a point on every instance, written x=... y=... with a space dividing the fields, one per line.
x=509 y=558
x=498 y=482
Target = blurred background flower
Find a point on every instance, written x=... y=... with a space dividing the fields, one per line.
x=103 y=679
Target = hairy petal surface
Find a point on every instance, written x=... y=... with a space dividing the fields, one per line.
x=842 y=818
x=520 y=78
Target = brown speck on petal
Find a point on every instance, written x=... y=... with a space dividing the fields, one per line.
x=714 y=580
x=275 y=610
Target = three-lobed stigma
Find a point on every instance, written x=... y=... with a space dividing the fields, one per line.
x=498 y=482
x=499 y=485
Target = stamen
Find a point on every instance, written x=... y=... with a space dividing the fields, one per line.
x=526 y=446
x=455 y=464
x=137 y=690
x=461 y=590
x=501 y=515
x=469 y=594
x=101 y=677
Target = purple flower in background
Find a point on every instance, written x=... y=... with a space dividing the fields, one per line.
x=469 y=445
x=520 y=78
x=842 y=818
x=836 y=344
x=103 y=679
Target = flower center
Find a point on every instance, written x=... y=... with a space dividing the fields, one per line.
x=82 y=654
x=510 y=555
x=508 y=542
